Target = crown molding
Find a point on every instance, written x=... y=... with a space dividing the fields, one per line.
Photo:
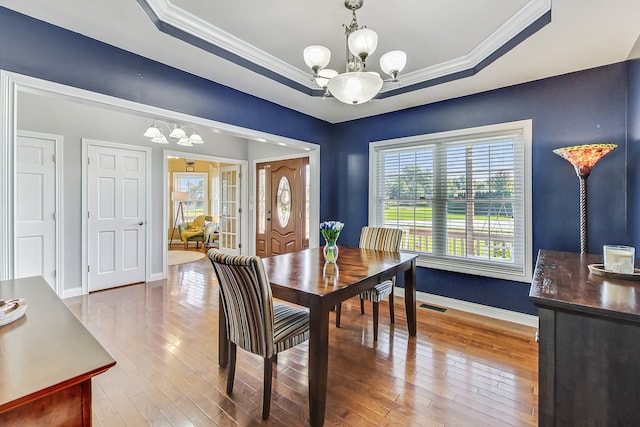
x=179 y=23
x=531 y=13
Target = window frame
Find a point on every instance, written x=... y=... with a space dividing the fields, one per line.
x=521 y=273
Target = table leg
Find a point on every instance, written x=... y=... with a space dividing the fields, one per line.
x=223 y=343
x=318 y=363
x=410 y=297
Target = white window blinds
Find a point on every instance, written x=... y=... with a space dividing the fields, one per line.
x=461 y=198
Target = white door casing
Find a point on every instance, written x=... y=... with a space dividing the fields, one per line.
x=116 y=217
x=36 y=202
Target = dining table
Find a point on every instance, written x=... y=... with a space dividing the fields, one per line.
x=305 y=279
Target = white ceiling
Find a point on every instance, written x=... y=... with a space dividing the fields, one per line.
x=438 y=37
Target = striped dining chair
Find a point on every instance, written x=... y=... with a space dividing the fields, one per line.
x=381 y=239
x=255 y=322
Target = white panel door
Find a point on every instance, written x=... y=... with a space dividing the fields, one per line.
x=229 y=241
x=117 y=216
x=35 y=207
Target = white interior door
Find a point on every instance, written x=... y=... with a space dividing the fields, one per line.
x=35 y=207
x=116 y=222
x=229 y=241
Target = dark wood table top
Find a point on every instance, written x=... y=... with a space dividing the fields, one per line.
x=45 y=350
x=304 y=278
x=305 y=275
x=562 y=280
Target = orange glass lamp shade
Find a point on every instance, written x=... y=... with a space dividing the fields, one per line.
x=584 y=157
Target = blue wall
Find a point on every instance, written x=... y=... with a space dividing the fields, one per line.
x=579 y=108
x=584 y=107
x=633 y=152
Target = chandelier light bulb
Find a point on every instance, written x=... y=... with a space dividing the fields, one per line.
x=195 y=139
x=184 y=142
x=356 y=87
x=393 y=63
x=177 y=133
x=152 y=132
x=324 y=76
x=363 y=43
x=160 y=139
x=316 y=57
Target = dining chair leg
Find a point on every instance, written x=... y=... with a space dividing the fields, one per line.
x=231 y=372
x=391 y=304
x=361 y=306
x=376 y=311
x=338 y=314
x=266 y=388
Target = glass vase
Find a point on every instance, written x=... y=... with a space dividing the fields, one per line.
x=330 y=252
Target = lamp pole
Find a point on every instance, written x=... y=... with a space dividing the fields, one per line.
x=583 y=213
x=180 y=197
x=179 y=212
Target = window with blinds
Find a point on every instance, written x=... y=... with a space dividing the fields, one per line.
x=462 y=198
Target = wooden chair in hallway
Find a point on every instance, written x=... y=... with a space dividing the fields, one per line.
x=382 y=239
x=254 y=321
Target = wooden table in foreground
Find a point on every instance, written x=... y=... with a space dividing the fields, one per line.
x=589 y=369
x=47 y=359
x=304 y=279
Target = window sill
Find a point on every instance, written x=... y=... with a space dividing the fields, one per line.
x=474 y=269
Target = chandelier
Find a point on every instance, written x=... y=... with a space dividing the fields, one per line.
x=173 y=132
x=355 y=85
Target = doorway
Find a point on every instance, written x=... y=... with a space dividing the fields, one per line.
x=282 y=203
x=223 y=198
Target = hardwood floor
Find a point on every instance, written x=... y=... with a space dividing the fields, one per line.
x=460 y=370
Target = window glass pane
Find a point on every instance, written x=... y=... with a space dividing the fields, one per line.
x=262 y=200
x=283 y=201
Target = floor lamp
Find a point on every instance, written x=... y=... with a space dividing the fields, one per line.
x=180 y=197
x=584 y=158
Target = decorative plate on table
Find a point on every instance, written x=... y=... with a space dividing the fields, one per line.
x=598 y=270
x=12 y=309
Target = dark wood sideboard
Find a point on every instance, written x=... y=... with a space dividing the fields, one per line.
x=47 y=359
x=589 y=343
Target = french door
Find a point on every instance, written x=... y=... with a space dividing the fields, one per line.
x=230 y=211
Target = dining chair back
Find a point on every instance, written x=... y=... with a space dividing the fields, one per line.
x=381 y=239
x=255 y=322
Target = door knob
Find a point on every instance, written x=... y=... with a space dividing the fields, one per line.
x=141 y=223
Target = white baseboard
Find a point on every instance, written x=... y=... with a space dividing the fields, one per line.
x=471 y=307
x=74 y=292
x=157 y=276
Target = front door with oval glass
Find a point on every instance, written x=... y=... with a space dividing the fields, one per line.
x=281 y=195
